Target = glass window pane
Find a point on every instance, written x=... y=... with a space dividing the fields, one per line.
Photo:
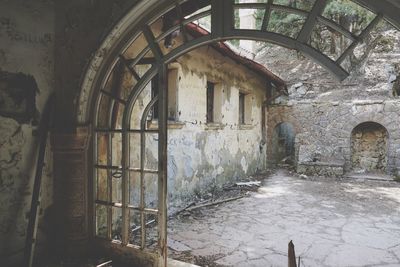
x=134 y=188
x=304 y=4
x=151 y=190
x=151 y=153
x=102 y=148
x=151 y=231
x=285 y=23
x=117 y=186
x=134 y=150
x=103 y=112
x=116 y=226
x=329 y=41
x=349 y=15
x=101 y=221
x=101 y=184
x=116 y=139
x=135 y=232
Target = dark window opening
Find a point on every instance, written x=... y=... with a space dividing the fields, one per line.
x=210 y=102
x=241 y=108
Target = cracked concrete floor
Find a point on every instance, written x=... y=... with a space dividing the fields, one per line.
x=331 y=222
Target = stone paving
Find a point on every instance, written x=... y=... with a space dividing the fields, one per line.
x=331 y=222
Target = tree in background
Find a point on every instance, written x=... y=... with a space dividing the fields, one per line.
x=346 y=13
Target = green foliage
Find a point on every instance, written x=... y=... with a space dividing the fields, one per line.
x=351 y=16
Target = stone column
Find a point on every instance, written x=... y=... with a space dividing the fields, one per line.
x=71 y=190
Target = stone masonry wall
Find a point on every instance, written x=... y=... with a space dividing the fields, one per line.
x=324 y=129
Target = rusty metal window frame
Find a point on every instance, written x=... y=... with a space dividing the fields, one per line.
x=222 y=28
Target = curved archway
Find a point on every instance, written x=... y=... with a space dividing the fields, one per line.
x=133 y=55
x=369 y=148
x=283 y=140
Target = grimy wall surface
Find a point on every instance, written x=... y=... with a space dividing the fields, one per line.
x=26 y=80
x=44 y=47
x=324 y=129
x=202 y=156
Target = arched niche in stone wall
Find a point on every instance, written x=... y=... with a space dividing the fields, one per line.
x=369 y=148
x=283 y=141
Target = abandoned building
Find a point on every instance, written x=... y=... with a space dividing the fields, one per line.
x=116 y=116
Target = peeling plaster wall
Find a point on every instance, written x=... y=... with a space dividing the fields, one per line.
x=26 y=47
x=323 y=129
x=201 y=155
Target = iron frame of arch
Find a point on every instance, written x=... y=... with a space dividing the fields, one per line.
x=222 y=28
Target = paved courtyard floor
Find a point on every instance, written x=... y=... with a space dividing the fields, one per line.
x=331 y=222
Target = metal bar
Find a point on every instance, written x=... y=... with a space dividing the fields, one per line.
x=148 y=34
x=217 y=18
x=142 y=167
x=31 y=233
x=142 y=61
x=250 y=5
x=107 y=203
x=128 y=130
x=360 y=38
x=387 y=8
x=131 y=70
x=289 y=9
x=99 y=166
x=142 y=186
x=185 y=22
x=291 y=43
x=145 y=170
x=109 y=187
x=116 y=91
x=162 y=163
x=147 y=210
x=308 y=26
x=125 y=183
x=182 y=26
x=337 y=27
x=139 y=57
x=267 y=15
x=113 y=97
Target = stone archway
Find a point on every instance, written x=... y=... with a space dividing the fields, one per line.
x=134 y=42
x=283 y=140
x=369 y=148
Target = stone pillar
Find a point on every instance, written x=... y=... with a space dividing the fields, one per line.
x=71 y=191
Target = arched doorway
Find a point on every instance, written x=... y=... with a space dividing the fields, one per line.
x=283 y=140
x=135 y=55
x=369 y=148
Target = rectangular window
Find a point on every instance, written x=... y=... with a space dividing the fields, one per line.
x=210 y=102
x=242 y=108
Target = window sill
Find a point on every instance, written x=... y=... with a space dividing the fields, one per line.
x=245 y=126
x=214 y=126
x=152 y=125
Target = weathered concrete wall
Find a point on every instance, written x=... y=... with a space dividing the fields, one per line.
x=201 y=155
x=26 y=80
x=323 y=129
